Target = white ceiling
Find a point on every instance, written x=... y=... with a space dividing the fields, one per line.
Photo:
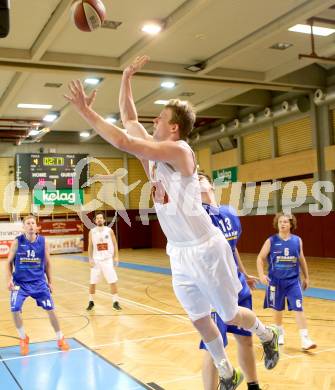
x=232 y=36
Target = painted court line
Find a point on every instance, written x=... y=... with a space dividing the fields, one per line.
x=143 y=339
x=131 y=302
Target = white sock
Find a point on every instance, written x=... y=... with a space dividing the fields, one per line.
x=303 y=333
x=261 y=331
x=115 y=298
x=59 y=335
x=91 y=297
x=21 y=332
x=218 y=353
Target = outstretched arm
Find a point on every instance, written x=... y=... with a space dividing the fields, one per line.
x=168 y=151
x=126 y=101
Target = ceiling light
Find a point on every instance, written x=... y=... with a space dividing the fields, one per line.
x=92 y=81
x=281 y=46
x=196 y=67
x=111 y=119
x=306 y=29
x=152 y=28
x=168 y=84
x=39 y=106
x=33 y=132
x=51 y=117
x=85 y=134
x=161 y=102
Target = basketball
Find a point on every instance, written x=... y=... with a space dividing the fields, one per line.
x=88 y=15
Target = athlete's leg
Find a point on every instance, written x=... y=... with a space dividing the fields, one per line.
x=210 y=376
x=246 y=357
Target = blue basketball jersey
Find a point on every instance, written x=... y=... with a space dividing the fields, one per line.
x=29 y=260
x=283 y=259
x=226 y=219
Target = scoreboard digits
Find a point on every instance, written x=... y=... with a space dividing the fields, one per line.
x=60 y=169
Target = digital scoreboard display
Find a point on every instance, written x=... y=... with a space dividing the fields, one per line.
x=59 y=169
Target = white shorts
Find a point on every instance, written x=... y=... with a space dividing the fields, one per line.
x=205 y=276
x=106 y=267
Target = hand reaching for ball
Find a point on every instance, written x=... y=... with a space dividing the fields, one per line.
x=78 y=97
x=137 y=64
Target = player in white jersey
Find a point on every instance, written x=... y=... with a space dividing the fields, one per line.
x=102 y=255
x=203 y=269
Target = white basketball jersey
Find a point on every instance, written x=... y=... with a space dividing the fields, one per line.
x=178 y=204
x=103 y=248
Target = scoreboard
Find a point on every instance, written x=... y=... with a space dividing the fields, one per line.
x=38 y=168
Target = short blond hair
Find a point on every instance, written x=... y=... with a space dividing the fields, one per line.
x=29 y=216
x=183 y=114
x=291 y=217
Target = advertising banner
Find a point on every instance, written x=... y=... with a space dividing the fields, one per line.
x=8 y=232
x=63 y=236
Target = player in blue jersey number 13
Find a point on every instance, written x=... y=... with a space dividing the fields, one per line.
x=27 y=269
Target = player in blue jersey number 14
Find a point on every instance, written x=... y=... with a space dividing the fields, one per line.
x=28 y=275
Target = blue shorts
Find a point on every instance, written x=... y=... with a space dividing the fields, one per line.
x=223 y=328
x=279 y=289
x=38 y=290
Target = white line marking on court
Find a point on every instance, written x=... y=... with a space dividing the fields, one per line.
x=144 y=339
x=131 y=302
x=40 y=354
x=101 y=345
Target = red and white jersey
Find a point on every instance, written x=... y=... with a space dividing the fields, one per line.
x=103 y=248
x=177 y=201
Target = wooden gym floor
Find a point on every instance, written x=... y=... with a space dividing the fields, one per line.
x=152 y=339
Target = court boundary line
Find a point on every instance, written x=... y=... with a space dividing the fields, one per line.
x=143 y=339
x=11 y=373
x=113 y=365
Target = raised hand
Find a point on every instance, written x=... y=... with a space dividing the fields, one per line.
x=78 y=97
x=137 y=64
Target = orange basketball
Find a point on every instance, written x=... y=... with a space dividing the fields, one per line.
x=88 y=15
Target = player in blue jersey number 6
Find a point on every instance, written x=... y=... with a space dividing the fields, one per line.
x=27 y=269
x=285 y=257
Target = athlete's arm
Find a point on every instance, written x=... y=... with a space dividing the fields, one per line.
x=251 y=280
x=90 y=249
x=116 y=249
x=48 y=265
x=168 y=151
x=10 y=261
x=304 y=268
x=126 y=101
x=261 y=259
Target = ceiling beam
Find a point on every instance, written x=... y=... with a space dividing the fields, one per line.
x=296 y=64
x=258 y=98
x=11 y=91
x=55 y=24
x=312 y=76
x=304 y=11
x=218 y=111
x=183 y=13
x=40 y=67
x=80 y=60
